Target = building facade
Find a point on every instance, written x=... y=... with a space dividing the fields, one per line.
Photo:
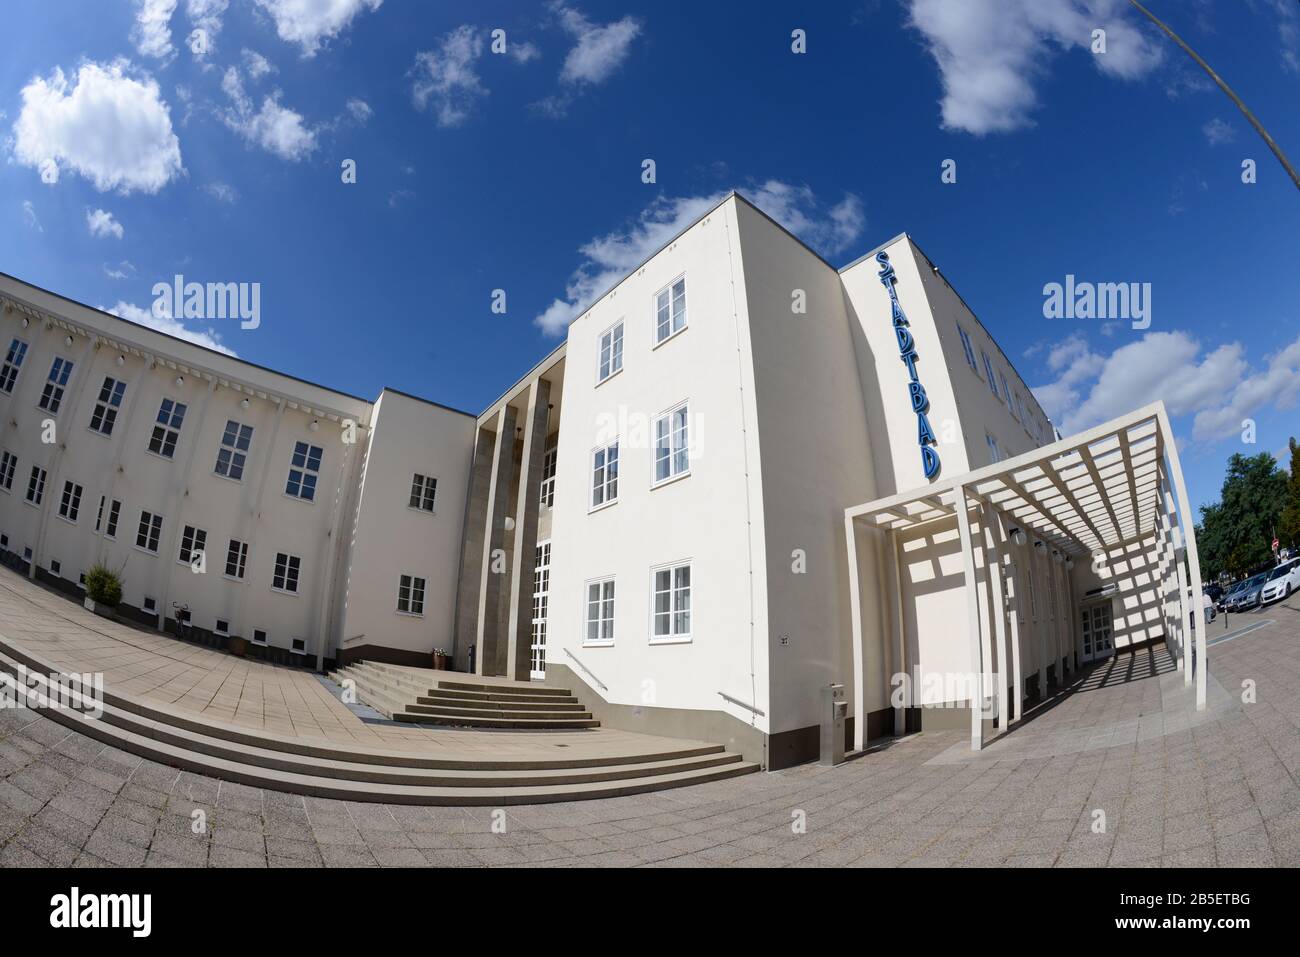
x=654 y=514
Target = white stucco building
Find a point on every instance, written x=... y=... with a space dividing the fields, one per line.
x=744 y=475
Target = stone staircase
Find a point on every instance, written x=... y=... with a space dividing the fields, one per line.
x=450 y=775
x=425 y=696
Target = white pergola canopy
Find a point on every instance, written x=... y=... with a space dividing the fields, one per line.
x=1089 y=494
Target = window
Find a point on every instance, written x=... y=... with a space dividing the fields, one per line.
x=298 y=645
x=193 y=542
x=36 y=485
x=423 y=491
x=150 y=604
x=410 y=595
x=236 y=559
x=286 y=573
x=600 y=612
x=1006 y=394
x=52 y=395
x=672 y=456
x=223 y=627
x=604 y=476
x=670 y=310
x=966 y=348
x=1017 y=409
x=104 y=417
x=259 y=636
x=611 y=352
x=672 y=603
x=8 y=462
x=303 y=470
x=114 y=511
x=234 y=450
x=167 y=428
x=992 y=377
x=995 y=454
x=70 y=504
x=56 y=566
x=150 y=529
x=13 y=362
x=548 y=479
x=4 y=541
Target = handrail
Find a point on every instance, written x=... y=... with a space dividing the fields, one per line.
x=743 y=704
x=602 y=684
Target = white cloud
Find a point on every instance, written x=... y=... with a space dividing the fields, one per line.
x=165 y=324
x=446 y=81
x=257 y=65
x=359 y=110
x=152 y=33
x=598 y=51
x=1217 y=131
x=29 y=216
x=311 y=23
x=101 y=224
x=1219 y=387
x=275 y=128
x=205 y=15
x=608 y=259
x=222 y=192
x=524 y=52
x=108 y=126
x=123 y=270
x=991 y=52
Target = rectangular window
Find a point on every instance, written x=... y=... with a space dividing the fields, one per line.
x=52 y=394
x=114 y=511
x=150 y=529
x=70 y=503
x=193 y=542
x=548 y=479
x=611 y=352
x=1016 y=409
x=604 y=476
x=600 y=612
x=107 y=405
x=1006 y=395
x=423 y=492
x=13 y=362
x=8 y=462
x=298 y=645
x=150 y=604
x=222 y=627
x=259 y=636
x=995 y=454
x=36 y=485
x=671 y=602
x=233 y=453
x=672 y=438
x=236 y=559
x=992 y=377
x=286 y=573
x=410 y=595
x=303 y=471
x=56 y=566
x=167 y=428
x=670 y=310
x=966 y=348
x=99 y=515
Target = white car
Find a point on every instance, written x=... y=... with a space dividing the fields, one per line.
x=1282 y=581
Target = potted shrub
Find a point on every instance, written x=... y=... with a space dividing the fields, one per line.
x=441 y=660
x=103 y=590
x=237 y=645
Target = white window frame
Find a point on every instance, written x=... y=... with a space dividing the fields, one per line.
x=169 y=428
x=656 y=339
x=605 y=482
x=265 y=640
x=602 y=640
x=673 y=637
x=107 y=406
x=304 y=471
x=235 y=452
x=241 y=560
x=70 y=501
x=56 y=385
x=194 y=541
x=673 y=449
x=992 y=375
x=114 y=518
x=36 y=486
x=13 y=366
x=407 y=590
x=617 y=341
x=424 y=489
x=154 y=538
x=547 y=493
x=286 y=578
x=8 y=466
x=1006 y=395
x=969 y=349
x=994 y=449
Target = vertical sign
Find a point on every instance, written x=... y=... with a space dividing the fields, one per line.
x=907 y=352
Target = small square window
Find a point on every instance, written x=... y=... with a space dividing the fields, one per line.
x=410 y=595
x=423 y=492
x=298 y=645
x=150 y=604
x=55 y=566
x=223 y=627
x=259 y=636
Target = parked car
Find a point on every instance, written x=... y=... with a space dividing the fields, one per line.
x=1281 y=582
x=1249 y=595
x=1229 y=597
x=1215 y=592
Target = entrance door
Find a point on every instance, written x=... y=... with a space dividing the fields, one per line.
x=541 y=598
x=1095 y=630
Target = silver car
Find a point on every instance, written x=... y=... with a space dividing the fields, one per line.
x=1281 y=582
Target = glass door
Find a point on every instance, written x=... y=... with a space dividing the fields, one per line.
x=541 y=599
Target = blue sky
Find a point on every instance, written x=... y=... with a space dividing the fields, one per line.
x=129 y=158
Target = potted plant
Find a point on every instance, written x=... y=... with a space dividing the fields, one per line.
x=103 y=590
x=237 y=645
x=441 y=660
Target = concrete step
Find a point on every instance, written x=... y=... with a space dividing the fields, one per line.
x=441 y=700
x=486 y=685
x=519 y=724
x=500 y=696
x=279 y=770
x=475 y=713
x=381 y=699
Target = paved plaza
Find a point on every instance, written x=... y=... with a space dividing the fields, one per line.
x=1175 y=787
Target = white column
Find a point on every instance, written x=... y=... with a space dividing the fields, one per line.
x=1013 y=613
x=900 y=714
x=855 y=613
x=993 y=565
x=1193 y=556
x=977 y=664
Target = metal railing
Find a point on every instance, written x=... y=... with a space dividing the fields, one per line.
x=743 y=704
x=590 y=673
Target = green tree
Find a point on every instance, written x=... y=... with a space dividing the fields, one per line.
x=1235 y=534
x=1288 y=524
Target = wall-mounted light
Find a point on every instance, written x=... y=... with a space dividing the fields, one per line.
x=1040 y=546
x=67 y=340
x=1069 y=564
x=180 y=380
x=510 y=524
x=315 y=424
x=1017 y=536
x=243 y=404
x=1056 y=556
x=26 y=322
x=121 y=360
